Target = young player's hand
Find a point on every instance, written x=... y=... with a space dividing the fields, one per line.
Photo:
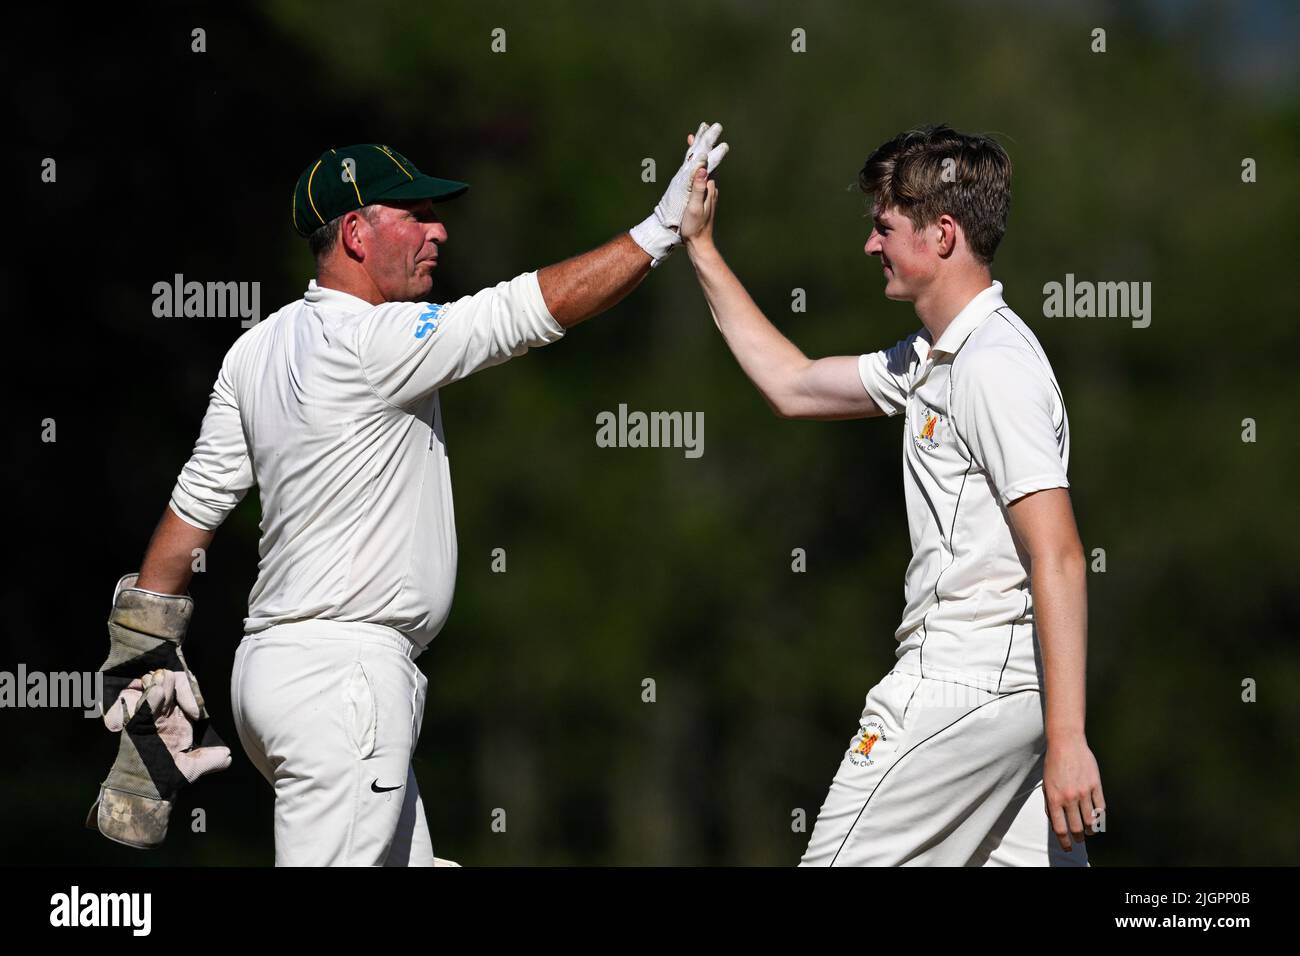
x=697 y=221
x=1072 y=791
x=660 y=232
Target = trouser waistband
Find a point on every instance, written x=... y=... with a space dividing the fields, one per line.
x=342 y=630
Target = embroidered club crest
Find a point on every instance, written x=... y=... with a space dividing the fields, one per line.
x=926 y=436
x=860 y=747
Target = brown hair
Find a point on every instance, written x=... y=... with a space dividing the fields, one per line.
x=910 y=172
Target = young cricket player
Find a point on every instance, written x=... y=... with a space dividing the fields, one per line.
x=971 y=750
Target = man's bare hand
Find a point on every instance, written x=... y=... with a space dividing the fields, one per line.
x=697 y=222
x=1072 y=790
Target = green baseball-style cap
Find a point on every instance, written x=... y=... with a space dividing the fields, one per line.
x=350 y=177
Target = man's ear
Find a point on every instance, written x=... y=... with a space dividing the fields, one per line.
x=352 y=234
x=948 y=230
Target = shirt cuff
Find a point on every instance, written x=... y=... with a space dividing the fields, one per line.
x=547 y=329
x=192 y=511
x=1027 y=486
x=869 y=383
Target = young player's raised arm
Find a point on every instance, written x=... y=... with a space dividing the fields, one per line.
x=794 y=385
x=588 y=284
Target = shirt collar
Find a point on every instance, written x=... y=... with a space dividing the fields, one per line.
x=334 y=301
x=965 y=322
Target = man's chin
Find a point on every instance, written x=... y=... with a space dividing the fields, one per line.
x=421 y=288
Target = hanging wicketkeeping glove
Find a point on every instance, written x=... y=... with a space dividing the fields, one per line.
x=150 y=696
x=659 y=234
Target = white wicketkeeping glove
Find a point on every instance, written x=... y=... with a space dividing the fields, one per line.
x=659 y=234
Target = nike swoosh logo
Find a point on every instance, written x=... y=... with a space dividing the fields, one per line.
x=378 y=789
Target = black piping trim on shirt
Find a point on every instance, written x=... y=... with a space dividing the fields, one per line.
x=1050 y=378
x=938 y=521
x=917 y=479
x=952 y=416
x=910 y=698
x=1010 y=641
x=970 y=461
x=952 y=551
x=876 y=789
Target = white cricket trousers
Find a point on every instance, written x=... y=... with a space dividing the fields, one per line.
x=329 y=713
x=941 y=774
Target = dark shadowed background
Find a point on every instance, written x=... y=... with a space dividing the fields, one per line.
x=627 y=564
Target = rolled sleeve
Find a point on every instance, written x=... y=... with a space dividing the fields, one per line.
x=409 y=349
x=886 y=375
x=1007 y=411
x=219 y=472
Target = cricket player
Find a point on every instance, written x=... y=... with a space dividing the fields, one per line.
x=331 y=407
x=979 y=727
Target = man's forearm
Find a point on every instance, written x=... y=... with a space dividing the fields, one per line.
x=1058 y=582
x=771 y=361
x=168 y=562
x=586 y=285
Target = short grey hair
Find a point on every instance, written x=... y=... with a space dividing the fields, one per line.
x=324 y=238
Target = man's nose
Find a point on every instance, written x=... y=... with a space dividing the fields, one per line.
x=439 y=232
x=873 y=246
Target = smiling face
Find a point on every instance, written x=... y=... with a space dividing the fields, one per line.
x=909 y=257
x=401 y=249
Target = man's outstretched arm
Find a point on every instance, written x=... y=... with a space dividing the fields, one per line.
x=587 y=285
x=794 y=385
x=169 y=560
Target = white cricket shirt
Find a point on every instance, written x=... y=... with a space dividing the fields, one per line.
x=984 y=424
x=330 y=406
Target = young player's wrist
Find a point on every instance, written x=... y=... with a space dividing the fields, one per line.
x=1069 y=733
x=702 y=251
x=701 y=244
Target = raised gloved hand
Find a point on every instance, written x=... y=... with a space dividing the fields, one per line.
x=152 y=699
x=659 y=234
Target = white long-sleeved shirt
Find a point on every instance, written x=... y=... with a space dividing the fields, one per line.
x=330 y=406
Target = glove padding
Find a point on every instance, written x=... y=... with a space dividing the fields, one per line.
x=159 y=713
x=659 y=234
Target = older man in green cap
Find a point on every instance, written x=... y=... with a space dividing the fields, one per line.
x=330 y=406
